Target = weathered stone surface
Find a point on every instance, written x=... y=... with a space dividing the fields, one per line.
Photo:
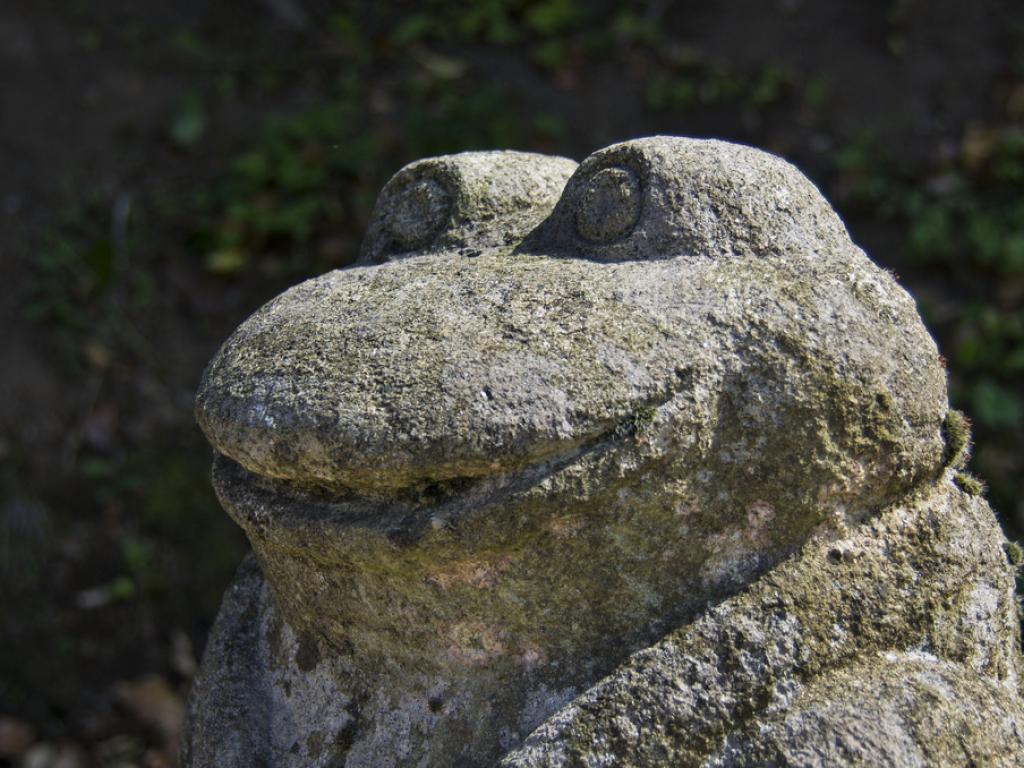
x=464 y=203
x=669 y=407
x=906 y=709
x=895 y=644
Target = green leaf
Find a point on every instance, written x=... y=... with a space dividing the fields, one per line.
x=630 y=25
x=552 y=16
x=412 y=29
x=121 y=588
x=189 y=45
x=931 y=233
x=770 y=86
x=96 y=468
x=252 y=166
x=227 y=261
x=138 y=553
x=551 y=54
x=189 y=123
x=817 y=92
x=995 y=406
x=442 y=67
x=99 y=258
x=549 y=125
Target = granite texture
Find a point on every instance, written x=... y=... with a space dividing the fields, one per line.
x=635 y=462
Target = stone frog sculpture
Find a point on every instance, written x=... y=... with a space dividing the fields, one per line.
x=638 y=462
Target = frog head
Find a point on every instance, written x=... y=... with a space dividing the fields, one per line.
x=554 y=410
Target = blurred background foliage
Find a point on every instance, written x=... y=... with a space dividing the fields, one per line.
x=171 y=166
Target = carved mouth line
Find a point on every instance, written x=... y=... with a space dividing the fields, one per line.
x=257 y=500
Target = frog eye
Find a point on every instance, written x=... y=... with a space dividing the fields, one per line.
x=419 y=212
x=465 y=204
x=608 y=204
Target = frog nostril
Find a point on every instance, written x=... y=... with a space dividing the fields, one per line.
x=609 y=205
x=421 y=210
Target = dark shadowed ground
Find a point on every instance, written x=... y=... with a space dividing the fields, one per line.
x=169 y=166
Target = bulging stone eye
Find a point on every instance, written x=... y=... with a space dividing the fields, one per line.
x=609 y=204
x=464 y=204
x=420 y=211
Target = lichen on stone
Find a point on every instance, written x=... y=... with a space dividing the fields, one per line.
x=957 y=433
x=636 y=462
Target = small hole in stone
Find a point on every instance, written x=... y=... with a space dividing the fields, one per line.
x=435 y=703
x=835 y=555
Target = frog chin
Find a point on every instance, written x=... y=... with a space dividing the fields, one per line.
x=400 y=578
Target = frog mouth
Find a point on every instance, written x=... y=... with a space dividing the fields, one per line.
x=442 y=495
x=417 y=481
x=310 y=510
x=473 y=370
